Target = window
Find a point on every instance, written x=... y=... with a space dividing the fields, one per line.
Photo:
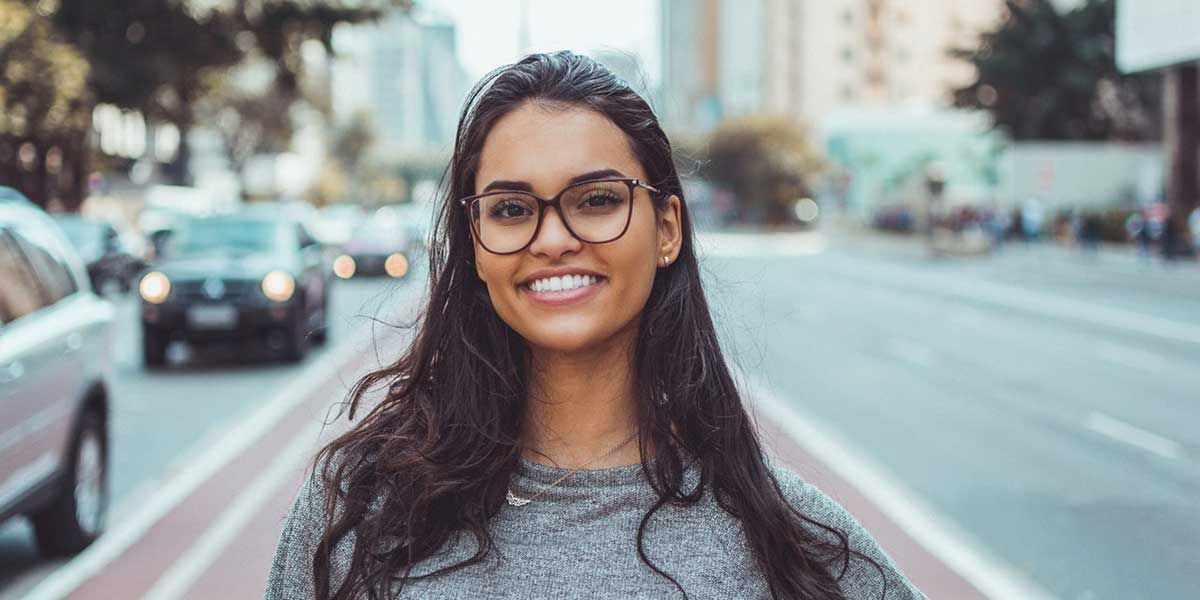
x=57 y=282
x=20 y=295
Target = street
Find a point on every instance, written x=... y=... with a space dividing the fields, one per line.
x=1030 y=416
x=1044 y=404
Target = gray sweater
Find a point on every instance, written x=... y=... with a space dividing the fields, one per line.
x=578 y=540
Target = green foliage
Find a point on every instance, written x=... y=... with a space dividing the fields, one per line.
x=45 y=106
x=43 y=81
x=767 y=162
x=1049 y=75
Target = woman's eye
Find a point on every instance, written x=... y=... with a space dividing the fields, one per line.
x=509 y=210
x=599 y=201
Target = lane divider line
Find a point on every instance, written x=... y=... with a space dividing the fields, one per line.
x=935 y=533
x=1134 y=436
x=188 y=568
x=116 y=541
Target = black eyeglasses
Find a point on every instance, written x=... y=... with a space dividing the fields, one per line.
x=596 y=212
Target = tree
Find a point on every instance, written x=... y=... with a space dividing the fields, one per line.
x=1050 y=75
x=152 y=56
x=45 y=107
x=166 y=57
x=767 y=162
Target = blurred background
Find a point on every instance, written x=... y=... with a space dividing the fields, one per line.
x=959 y=238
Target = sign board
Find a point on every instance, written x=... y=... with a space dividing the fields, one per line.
x=1152 y=34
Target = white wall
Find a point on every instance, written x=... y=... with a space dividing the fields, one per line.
x=1081 y=174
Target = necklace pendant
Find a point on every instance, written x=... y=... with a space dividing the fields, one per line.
x=515 y=501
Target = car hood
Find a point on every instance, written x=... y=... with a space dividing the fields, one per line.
x=224 y=265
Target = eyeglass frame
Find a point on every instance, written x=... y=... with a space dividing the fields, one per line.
x=632 y=182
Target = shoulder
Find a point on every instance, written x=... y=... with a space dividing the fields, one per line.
x=862 y=579
x=291 y=573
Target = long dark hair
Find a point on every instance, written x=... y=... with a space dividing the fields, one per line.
x=435 y=455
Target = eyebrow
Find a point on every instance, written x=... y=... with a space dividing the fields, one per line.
x=524 y=186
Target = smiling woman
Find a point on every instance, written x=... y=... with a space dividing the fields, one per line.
x=564 y=424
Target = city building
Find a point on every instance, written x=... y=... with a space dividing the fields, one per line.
x=808 y=58
x=404 y=74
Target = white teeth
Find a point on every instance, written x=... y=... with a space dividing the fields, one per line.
x=563 y=283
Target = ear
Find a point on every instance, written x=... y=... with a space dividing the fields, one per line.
x=670 y=231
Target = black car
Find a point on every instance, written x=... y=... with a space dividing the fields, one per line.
x=111 y=267
x=236 y=278
x=55 y=374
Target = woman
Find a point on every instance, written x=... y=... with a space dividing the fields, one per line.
x=564 y=424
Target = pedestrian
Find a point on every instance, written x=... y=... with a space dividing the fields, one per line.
x=1138 y=230
x=564 y=423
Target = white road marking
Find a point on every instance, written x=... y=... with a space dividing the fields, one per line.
x=186 y=569
x=1131 y=357
x=116 y=541
x=1133 y=435
x=937 y=534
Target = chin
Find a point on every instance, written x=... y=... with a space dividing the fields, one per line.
x=566 y=337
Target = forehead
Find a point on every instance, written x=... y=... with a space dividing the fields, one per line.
x=546 y=145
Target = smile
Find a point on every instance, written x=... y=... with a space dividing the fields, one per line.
x=564 y=283
x=563 y=290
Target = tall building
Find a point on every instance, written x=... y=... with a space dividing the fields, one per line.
x=806 y=58
x=404 y=73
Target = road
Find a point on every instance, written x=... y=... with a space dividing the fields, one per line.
x=1044 y=403
x=1017 y=425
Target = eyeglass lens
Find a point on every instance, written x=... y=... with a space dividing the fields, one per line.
x=595 y=211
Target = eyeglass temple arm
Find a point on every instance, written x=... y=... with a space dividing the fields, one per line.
x=649 y=187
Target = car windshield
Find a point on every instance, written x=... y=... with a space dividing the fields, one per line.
x=225 y=235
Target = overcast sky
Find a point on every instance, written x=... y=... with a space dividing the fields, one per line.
x=489 y=31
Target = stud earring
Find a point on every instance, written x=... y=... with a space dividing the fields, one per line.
x=665 y=261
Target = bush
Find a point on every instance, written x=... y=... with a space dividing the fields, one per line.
x=767 y=162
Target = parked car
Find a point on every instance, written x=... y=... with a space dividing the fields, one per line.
x=55 y=373
x=244 y=277
x=378 y=247
x=111 y=267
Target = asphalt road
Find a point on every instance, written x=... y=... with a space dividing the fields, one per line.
x=163 y=420
x=1039 y=404
x=1044 y=403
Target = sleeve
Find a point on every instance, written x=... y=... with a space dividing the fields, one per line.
x=291 y=574
x=862 y=579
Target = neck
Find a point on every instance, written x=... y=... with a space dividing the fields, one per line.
x=581 y=407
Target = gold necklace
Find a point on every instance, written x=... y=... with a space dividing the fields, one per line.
x=515 y=500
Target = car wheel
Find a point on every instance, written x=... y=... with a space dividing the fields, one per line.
x=154 y=348
x=296 y=339
x=321 y=334
x=76 y=516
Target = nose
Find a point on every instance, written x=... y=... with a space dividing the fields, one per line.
x=553 y=239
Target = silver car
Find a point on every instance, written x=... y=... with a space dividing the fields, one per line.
x=55 y=367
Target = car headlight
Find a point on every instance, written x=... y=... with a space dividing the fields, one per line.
x=278 y=286
x=344 y=267
x=155 y=287
x=396 y=265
